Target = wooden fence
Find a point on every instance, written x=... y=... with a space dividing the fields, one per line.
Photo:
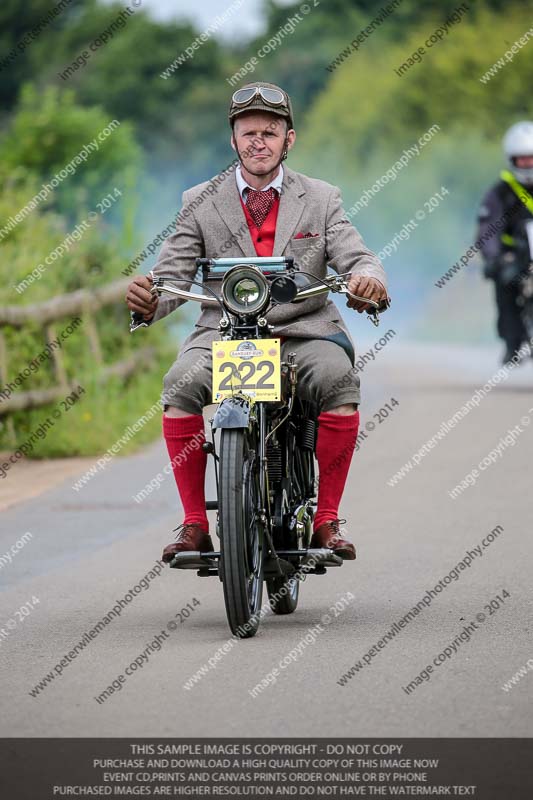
x=84 y=303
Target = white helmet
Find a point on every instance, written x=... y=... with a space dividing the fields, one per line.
x=518 y=141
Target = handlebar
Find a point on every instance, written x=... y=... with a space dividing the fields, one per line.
x=269 y=266
x=331 y=283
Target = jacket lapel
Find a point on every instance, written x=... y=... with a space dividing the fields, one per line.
x=291 y=207
x=228 y=205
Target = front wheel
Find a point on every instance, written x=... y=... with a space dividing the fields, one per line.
x=241 y=535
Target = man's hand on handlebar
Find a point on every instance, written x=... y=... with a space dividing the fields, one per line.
x=139 y=297
x=365 y=287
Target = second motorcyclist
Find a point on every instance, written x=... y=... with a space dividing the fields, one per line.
x=506 y=210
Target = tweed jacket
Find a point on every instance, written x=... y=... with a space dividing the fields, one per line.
x=212 y=224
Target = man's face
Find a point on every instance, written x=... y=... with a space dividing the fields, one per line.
x=260 y=139
x=524 y=162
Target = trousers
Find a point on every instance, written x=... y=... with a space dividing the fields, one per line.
x=326 y=377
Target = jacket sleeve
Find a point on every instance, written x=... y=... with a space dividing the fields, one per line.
x=177 y=258
x=345 y=249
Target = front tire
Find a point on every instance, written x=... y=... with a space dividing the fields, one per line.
x=241 y=539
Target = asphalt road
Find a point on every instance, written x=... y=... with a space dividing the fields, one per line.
x=89 y=548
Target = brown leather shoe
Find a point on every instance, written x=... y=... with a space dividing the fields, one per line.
x=190 y=537
x=329 y=535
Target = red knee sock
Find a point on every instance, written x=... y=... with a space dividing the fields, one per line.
x=337 y=435
x=184 y=437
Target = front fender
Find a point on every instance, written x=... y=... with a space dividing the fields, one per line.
x=233 y=412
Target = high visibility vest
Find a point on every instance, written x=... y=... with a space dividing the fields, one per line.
x=523 y=195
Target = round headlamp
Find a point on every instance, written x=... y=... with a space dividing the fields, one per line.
x=245 y=290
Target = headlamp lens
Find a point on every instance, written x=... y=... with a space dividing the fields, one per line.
x=246 y=292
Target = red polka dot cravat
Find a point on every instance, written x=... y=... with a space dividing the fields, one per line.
x=259 y=204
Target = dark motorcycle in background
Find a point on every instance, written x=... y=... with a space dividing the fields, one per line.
x=517 y=271
x=264 y=460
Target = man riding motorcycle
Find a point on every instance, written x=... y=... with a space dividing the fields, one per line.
x=261 y=208
x=508 y=206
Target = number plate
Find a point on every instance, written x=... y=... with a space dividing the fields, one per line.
x=247 y=366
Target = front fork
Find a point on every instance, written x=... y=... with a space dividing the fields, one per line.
x=264 y=512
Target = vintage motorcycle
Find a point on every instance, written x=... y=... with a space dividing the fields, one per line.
x=264 y=461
